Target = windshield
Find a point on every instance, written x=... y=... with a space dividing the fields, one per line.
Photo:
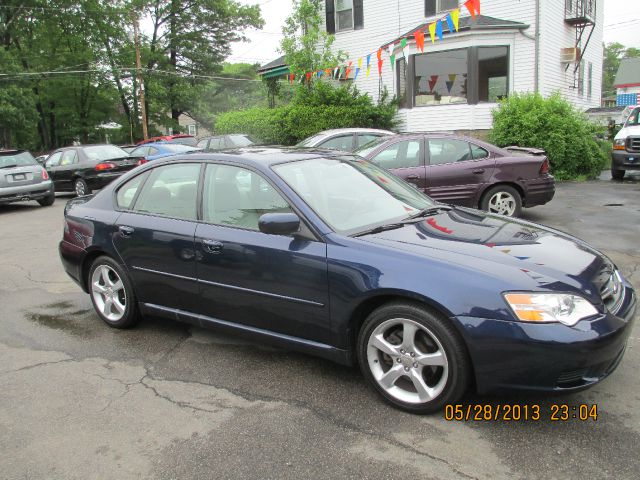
x=632 y=121
x=104 y=152
x=178 y=148
x=367 y=148
x=352 y=195
x=17 y=159
x=242 y=140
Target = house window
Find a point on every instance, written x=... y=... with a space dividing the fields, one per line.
x=441 y=78
x=192 y=129
x=581 y=80
x=344 y=14
x=401 y=81
x=432 y=7
x=493 y=73
x=590 y=80
x=468 y=75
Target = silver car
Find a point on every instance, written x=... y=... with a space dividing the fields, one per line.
x=346 y=139
x=23 y=179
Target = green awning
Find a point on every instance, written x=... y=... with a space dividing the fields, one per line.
x=276 y=72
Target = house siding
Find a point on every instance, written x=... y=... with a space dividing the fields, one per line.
x=385 y=21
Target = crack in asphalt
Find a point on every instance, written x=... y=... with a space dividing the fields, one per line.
x=37 y=365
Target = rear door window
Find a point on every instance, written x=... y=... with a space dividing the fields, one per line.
x=170 y=191
x=448 y=151
x=69 y=157
x=405 y=154
x=343 y=142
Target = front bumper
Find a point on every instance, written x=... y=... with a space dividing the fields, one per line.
x=623 y=160
x=547 y=357
x=22 y=193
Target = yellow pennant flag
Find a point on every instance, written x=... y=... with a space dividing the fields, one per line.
x=432 y=31
x=455 y=18
x=360 y=62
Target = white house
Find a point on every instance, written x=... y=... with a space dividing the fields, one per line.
x=511 y=46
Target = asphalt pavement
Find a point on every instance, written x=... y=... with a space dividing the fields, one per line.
x=79 y=400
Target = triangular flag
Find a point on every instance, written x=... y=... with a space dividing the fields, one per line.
x=327 y=71
x=455 y=18
x=342 y=72
x=432 y=32
x=320 y=72
x=449 y=85
x=309 y=76
x=476 y=5
x=432 y=82
x=449 y=23
x=357 y=72
x=368 y=65
x=380 y=62
x=392 y=47
x=336 y=71
x=292 y=77
x=471 y=7
x=452 y=77
x=403 y=45
x=348 y=71
x=360 y=62
x=419 y=36
x=439 y=29
x=392 y=61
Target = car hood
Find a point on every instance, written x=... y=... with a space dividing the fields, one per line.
x=512 y=248
x=626 y=131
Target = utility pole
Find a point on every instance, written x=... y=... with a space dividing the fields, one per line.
x=143 y=109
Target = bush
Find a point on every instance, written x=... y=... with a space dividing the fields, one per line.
x=312 y=110
x=554 y=125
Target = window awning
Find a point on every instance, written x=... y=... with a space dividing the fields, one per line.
x=275 y=68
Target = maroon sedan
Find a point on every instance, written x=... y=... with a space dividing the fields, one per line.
x=465 y=171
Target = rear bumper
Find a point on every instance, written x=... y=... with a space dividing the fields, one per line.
x=623 y=160
x=100 y=180
x=72 y=256
x=547 y=357
x=36 y=191
x=539 y=191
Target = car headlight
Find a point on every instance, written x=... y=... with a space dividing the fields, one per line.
x=550 y=307
x=619 y=144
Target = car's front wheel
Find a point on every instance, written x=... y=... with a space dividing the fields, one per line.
x=413 y=357
x=616 y=173
x=81 y=187
x=112 y=294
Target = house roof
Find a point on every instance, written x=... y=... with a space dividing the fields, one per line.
x=278 y=62
x=482 y=22
x=628 y=73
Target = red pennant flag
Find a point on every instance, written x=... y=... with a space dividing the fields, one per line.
x=470 y=4
x=346 y=75
x=327 y=71
x=419 y=36
x=291 y=78
x=380 y=61
x=476 y=5
x=309 y=76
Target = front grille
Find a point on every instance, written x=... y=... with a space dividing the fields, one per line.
x=633 y=144
x=612 y=292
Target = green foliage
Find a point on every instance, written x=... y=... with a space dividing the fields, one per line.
x=554 y=125
x=306 y=45
x=613 y=53
x=312 y=110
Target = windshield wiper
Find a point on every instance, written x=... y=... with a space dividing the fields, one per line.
x=429 y=211
x=9 y=166
x=378 y=229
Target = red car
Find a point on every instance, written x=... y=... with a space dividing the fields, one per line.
x=466 y=171
x=182 y=138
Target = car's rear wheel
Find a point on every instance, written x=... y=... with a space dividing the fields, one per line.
x=413 y=357
x=81 y=187
x=616 y=173
x=47 y=201
x=112 y=294
x=503 y=200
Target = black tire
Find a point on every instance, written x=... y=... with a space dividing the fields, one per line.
x=458 y=373
x=616 y=173
x=131 y=315
x=506 y=189
x=47 y=201
x=81 y=187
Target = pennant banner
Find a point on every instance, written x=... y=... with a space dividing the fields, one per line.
x=419 y=36
x=432 y=82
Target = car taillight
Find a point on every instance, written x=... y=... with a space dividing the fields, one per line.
x=105 y=166
x=45 y=175
x=544 y=168
x=142 y=161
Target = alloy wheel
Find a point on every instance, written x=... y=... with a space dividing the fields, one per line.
x=502 y=203
x=407 y=360
x=108 y=293
x=80 y=190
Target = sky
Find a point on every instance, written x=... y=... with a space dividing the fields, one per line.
x=621 y=24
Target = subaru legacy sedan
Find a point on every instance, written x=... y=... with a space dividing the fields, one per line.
x=328 y=254
x=465 y=171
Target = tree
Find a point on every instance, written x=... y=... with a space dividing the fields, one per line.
x=306 y=45
x=613 y=53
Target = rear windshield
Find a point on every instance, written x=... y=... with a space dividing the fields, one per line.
x=367 y=148
x=242 y=140
x=104 y=152
x=184 y=141
x=16 y=159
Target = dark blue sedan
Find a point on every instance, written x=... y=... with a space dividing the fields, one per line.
x=328 y=254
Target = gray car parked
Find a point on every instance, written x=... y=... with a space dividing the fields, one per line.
x=23 y=179
x=347 y=139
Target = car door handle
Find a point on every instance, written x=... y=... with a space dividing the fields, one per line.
x=478 y=171
x=413 y=177
x=125 y=231
x=212 y=246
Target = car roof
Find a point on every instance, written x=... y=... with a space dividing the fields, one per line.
x=354 y=130
x=263 y=156
x=9 y=151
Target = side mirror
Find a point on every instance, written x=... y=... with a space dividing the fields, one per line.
x=279 y=223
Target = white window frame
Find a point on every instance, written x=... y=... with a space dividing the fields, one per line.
x=353 y=20
x=192 y=129
x=440 y=9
